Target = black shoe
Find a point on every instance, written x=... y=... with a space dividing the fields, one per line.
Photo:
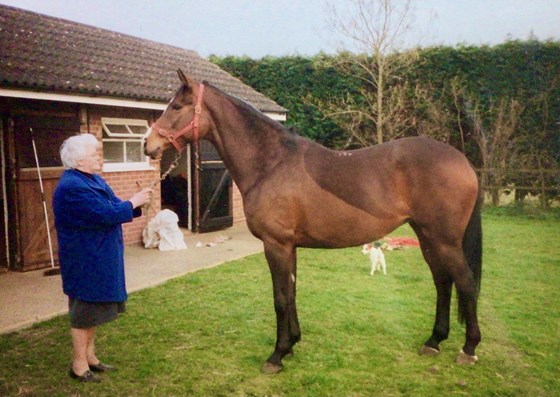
x=87 y=376
x=101 y=367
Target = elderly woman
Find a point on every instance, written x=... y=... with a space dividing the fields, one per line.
x=88 y=218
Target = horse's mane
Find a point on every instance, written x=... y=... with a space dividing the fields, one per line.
x=252 y=109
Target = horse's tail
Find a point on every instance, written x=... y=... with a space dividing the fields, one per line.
x=472 y=249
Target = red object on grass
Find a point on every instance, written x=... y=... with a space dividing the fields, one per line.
x=403 y=241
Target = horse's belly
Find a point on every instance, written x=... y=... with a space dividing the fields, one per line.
x=345 y=230
x=306 y=215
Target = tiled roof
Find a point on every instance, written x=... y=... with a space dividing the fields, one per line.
x=42 y=53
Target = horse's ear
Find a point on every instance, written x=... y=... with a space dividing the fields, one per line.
x=182 y=77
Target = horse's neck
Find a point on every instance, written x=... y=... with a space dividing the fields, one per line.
x=248 y=143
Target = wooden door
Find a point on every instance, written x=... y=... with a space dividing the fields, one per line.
x=49 y=132
x=34 y=243
x=214 y=191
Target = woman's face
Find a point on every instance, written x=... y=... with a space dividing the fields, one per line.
x=91 y=163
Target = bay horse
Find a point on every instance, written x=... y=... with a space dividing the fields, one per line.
x=297 y=193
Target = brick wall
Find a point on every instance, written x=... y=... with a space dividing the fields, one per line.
x=238 y=213
x=125 y=183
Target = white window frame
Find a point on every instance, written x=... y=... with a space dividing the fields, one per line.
x=118 y=137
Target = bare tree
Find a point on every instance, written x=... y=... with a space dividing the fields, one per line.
x=536 y=155
x=498 y=142
x=375 y=29
x=413 y=109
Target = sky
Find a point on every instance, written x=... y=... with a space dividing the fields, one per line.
x=258 y=28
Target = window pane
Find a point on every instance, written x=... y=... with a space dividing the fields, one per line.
x=138 y=129
x=133 y=152
x=117 y=128
x=123 y=141
x=113 y=152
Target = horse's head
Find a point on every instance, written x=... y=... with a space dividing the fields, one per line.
x=182 y=121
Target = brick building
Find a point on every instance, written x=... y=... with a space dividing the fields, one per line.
x=58 y=78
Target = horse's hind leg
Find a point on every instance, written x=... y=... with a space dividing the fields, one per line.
x=282 y=263
x=440 y=331
x=467 y=291
x=443 y=284
x=448 y=265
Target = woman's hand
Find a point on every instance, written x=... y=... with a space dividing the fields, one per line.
x=141 y=198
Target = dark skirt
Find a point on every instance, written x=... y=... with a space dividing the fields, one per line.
x=92 y=314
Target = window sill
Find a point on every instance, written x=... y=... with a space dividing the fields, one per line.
x=125 y=167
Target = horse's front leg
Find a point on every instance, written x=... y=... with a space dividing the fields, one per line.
x=282 y=263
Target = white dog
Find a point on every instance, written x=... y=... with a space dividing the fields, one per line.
x=376 y=257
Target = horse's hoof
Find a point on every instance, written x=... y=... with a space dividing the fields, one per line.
x=466 y=359
x=269 y=368
x=428 y=351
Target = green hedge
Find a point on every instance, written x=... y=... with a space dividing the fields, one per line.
x=290 y=81
x=527 y=71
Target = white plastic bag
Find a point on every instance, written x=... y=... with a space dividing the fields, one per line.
x=163 y=232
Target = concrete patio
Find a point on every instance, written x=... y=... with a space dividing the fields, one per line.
x=31 y=297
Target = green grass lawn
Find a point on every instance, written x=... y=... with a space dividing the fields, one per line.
x=208 y=333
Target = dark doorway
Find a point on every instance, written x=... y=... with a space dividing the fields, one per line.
x=4 y=249
x=176 y=187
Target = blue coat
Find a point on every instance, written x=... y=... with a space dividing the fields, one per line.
x=88 y=218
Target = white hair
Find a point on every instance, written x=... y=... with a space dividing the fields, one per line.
x=75 y=148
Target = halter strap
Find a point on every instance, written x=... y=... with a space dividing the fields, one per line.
x=194 y=125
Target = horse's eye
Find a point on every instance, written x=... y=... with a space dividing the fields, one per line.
x=176 y=106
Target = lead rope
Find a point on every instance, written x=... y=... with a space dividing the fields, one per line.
x=148 y=205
